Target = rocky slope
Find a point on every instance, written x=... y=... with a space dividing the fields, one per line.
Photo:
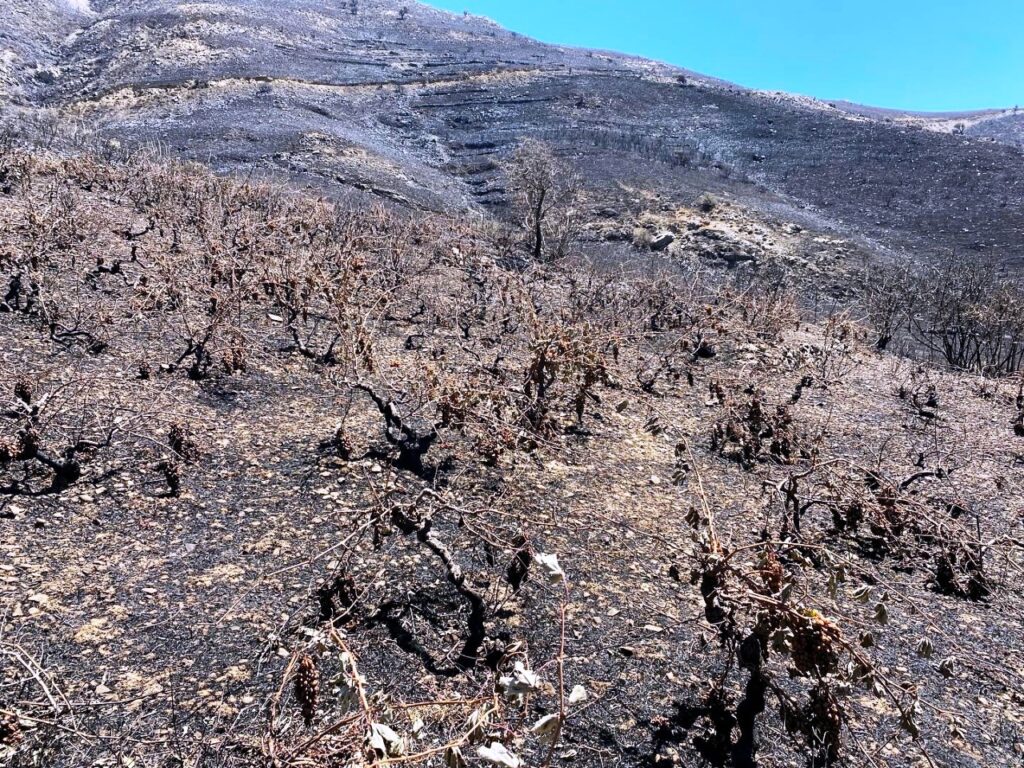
x=418 y=106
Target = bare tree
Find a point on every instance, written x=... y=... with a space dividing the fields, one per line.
x=545 y=193
x=888 y=298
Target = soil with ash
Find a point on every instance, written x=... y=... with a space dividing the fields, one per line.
x=317 y=465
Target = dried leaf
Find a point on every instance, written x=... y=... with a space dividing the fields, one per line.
x=782 y=640
x=862 y=594
x=520 y=682
x=547 y=729
x=496 y=754
x=552 y=570
x=947 y=667
x=907 y=721
x=453 y=758
x=385 y=742
x=477 y=723
x=925 y=649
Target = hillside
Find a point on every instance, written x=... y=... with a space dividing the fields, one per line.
x=320 y=449
x=250 y=440
x=417 y=109
x=1007 y=128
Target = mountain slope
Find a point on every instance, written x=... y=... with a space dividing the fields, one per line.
x=31 y=33
x=1007 y=128
x=244 y=433
x=418 y=106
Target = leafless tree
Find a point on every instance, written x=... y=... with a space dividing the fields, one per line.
x=888 y=299
x=545 y=192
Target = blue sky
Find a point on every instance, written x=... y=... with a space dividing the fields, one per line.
x=907 y=54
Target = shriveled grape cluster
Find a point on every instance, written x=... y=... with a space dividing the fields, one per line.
x=307 y=687
x=772 y=573
x=823 y=718
x=813 y=644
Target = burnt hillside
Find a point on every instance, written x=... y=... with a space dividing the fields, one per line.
x=286 y=483
x=417 y=107
x=332 y=447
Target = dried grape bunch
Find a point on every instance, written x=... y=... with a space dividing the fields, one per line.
x=179 y=442
x=307 y=687
x=824 y=715
x=813 y=644
x=772 y=573
x=24 y=391
x=172 y=475
x=28 y=444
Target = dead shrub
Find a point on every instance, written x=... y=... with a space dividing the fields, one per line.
x=970 y=316
x=754 y=432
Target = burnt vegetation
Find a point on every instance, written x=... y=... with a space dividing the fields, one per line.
x=413 y=489
x=964 y=313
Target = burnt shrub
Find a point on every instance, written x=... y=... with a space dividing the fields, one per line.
x=970 y=316
x=545 y=191
x=888 y=299
x=960 y=311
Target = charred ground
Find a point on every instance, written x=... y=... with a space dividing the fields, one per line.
x=282 y=484
x=343 y=476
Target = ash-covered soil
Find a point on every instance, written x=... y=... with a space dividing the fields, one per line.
x=418 y=108
x=1007 y=128
x=281 y=484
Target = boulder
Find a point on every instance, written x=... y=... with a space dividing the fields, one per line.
x=662 y=241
